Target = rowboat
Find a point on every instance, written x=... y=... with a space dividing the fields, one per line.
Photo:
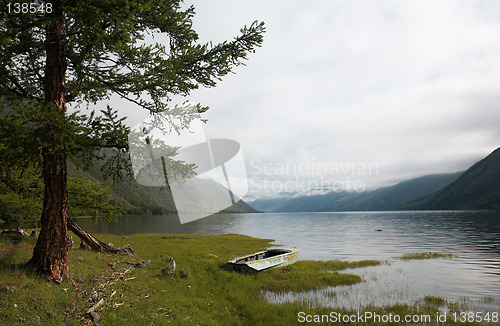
x=263 y=260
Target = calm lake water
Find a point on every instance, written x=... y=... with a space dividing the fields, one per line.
x=473 y=237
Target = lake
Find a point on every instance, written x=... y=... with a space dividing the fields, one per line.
x=472 y=236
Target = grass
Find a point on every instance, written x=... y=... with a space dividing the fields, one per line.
x=425 y=255
x=145 y=290
x=311 y=275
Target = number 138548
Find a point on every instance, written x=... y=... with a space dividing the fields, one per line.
x=29 y=8
x=476 y=317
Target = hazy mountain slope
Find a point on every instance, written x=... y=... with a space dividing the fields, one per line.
x=393 y=197
x=269 y=204
x=136 y=198
x=332 y=201
x=476 y=188
x=143 y=200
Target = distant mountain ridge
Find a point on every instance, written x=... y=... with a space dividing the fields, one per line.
x=394 y=197
x=475 y=189
x=382 y=199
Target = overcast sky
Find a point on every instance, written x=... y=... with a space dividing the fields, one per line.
x=410 y=86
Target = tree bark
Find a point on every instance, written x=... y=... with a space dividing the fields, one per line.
x=94 y=243
x=50 y=255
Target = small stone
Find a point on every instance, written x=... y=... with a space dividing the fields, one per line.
x=142 y=263
x=71 y=243
x=84 y=245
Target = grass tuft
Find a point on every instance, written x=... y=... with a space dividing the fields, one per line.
x=434 y=301
x=425 y=255
x=310 y=275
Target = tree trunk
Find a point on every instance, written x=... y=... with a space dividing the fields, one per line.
x=50 y=256
x=94 y=243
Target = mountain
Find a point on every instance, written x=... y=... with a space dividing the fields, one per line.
x=333 y=201
x=394 y=197
x=144 y=200
x=269 y=204
x=476 y=188
x=382 y=199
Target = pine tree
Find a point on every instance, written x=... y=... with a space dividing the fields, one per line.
x=60 y=54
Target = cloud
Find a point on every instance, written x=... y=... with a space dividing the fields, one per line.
x=411 y=85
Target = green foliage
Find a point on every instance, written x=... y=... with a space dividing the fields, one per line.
x=27 y=127
x=21 y=193
x=135 y=198
x=106 y=49
x=91 y=199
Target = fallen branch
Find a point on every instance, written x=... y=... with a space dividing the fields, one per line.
x=94 y=307
x=94 y=243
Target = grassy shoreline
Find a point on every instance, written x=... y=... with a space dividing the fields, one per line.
x=144 y=289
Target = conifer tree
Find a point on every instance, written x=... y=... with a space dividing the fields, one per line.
x=61 y=54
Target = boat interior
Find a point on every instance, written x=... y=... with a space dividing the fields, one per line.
x=266 y=254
